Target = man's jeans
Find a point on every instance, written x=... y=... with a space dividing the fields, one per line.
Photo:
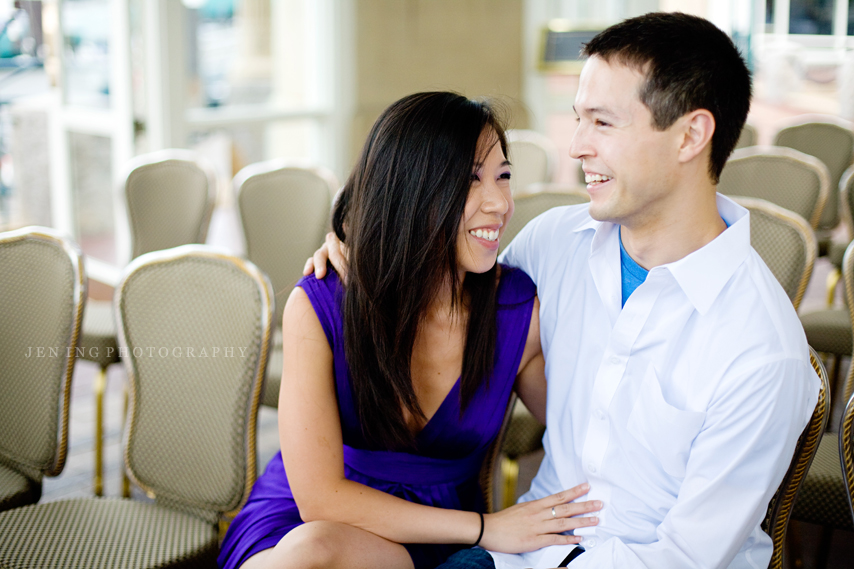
x=472 y=558
x=476 y=558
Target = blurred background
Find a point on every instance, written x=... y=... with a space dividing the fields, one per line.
x=85 y=85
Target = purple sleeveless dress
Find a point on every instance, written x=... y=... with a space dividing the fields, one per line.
x=443 y=473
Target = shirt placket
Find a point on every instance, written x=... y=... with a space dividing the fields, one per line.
x=611 y=370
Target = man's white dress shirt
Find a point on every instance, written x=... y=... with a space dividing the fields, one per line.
x=682 y=409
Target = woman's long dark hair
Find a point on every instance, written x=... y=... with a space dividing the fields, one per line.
x=400 y=213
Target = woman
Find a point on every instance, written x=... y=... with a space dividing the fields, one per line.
x=382 y=449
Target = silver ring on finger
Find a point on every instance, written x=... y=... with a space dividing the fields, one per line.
x=554 y=514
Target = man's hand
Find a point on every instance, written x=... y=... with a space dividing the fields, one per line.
x=332 y=250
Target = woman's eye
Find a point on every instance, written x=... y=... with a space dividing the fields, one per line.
x=475 y=177
x=505 y=176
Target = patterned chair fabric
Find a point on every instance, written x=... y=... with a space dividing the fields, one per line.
x=530 y=205
x=831 y=140
x=534 y=158
x=285 y=213
x=785 y=242
x=42 y=292
x=749 y=137
x=791 y=179
x=169 y=198
x=780 y=507
x=846 y=453
x=196 y=326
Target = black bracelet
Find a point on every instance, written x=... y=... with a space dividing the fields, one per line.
x=480 y=536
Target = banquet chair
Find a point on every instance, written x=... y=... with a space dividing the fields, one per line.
x=829 y=330
x=786 y=177
x=530 y=205
x=785 y=242
x=190 y=435
x=831 y=140
x=782 y=503
x=42 y=293
x=846 y=452
x=169 y=198
x=823 y=498
x=534 y=158
x=284 y=209
x=749 y=137
x=836 y=249
x=493 y=458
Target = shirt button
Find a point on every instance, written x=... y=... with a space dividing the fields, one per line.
x=592 y=468
x=590 y=543
x=615 y=360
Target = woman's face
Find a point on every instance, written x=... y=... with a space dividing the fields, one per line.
x=488 y=208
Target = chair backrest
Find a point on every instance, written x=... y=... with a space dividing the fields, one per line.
x=42 y=292
x=846 y=199
x=534 y=158
x=846 y=451
x=780 y=507
x=529 y=206
x=831 y=140
x=493 y=457
x=169 y=196
x=749 y=137
x=194 y=334
x=848 y=287
x=786 y=177
x=786 y=243
x=285 y=214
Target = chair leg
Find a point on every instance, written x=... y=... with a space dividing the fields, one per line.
x=832 y=280
x=99 y=388
x=125 y=479
x=510 y=475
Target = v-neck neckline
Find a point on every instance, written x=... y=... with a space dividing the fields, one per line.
x=454 y=391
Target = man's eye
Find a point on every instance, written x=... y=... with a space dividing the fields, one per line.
x=601 y=123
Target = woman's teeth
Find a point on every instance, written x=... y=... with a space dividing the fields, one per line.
x=595 y=178
x=488 y=235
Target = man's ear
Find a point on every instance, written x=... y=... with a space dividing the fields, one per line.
x=698 y=127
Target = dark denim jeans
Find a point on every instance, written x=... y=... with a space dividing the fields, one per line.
x=479 y=559
x=473 y=558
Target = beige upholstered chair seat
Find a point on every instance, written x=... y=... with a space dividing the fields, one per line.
x=829 y=331
x=105 y=533
x=822 y=499
x=16 y=489
x=98 y=342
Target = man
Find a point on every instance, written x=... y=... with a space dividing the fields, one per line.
x=678 y=373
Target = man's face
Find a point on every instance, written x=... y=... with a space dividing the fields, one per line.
x=629 y=166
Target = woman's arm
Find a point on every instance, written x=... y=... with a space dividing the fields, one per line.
x=531 y=378
x=311 y=442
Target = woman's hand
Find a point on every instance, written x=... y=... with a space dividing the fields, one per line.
x=332 y=250
x=533 y=525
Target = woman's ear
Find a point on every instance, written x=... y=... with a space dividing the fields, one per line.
x=698 y=128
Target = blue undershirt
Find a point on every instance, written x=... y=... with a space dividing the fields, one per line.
x=633 y=274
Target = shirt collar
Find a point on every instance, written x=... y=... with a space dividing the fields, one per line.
x=702 y=274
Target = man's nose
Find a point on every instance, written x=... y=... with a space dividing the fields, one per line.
x=578 y=146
